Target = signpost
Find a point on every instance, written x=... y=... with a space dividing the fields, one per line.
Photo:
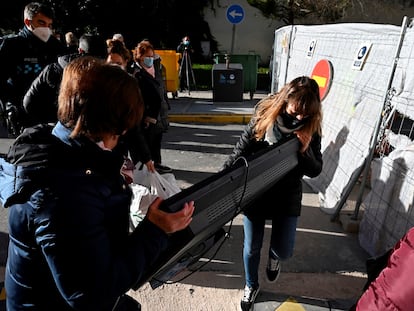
x=235 y=15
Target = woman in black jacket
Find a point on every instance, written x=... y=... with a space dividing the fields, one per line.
x=70 y=246
x=153 y=94
x=294 y=110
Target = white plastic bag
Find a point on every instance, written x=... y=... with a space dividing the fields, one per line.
x=161 y=186
x=141 y=200
x=146 y=188
x=141 y=175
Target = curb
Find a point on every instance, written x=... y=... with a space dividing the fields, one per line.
x=210 y=118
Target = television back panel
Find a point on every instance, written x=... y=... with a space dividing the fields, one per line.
x=221 y=197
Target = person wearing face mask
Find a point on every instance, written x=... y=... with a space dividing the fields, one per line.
x=293 y=111
x=152 y=90
x=70 y=247
x=22 y=58
x=185 y=61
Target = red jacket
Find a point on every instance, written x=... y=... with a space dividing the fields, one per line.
x=393 y=289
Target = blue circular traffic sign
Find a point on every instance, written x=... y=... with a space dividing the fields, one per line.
x=235 y=13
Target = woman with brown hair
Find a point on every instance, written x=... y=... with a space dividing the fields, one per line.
x=118 y=54
x=153 y=94
x=294 y=111
x=70 y=246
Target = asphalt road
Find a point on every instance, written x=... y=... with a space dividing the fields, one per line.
x=327 y=271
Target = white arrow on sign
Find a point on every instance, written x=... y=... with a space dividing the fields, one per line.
x=234 y=14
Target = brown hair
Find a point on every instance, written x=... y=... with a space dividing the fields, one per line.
x=303 y=91
x=97 y=98
x=116 y=46
x=142 y=48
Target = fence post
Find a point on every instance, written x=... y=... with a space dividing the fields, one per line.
x=387 y=97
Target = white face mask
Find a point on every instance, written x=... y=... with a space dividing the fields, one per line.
x=43 y=33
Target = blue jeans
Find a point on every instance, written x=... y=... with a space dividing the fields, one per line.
x=282 y=242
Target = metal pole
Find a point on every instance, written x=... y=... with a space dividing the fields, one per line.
x=374 y=139
x=192 y=73
x=288 y=54
x=233 y=34
x=367 y=162
x=186 y=71
x=180 y=72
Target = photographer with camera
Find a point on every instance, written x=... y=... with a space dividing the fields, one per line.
x=184 y=44
x=185 y=64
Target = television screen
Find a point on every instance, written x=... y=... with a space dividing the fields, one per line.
x=218 y=199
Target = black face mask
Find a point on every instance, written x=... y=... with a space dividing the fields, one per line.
x=290 y=122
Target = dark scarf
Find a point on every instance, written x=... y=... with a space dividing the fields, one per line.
x=285 y=125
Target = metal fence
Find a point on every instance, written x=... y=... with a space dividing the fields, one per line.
x=368 y=120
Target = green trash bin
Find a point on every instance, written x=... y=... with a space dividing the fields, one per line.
x=250 y=63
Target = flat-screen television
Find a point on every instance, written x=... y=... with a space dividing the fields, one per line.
x=218 y=199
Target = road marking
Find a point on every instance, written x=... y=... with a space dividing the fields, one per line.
x=290 y=305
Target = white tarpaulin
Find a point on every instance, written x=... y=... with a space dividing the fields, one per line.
x=363 y=59
x=355 y=99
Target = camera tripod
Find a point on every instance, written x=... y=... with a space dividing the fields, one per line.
x=186 y=63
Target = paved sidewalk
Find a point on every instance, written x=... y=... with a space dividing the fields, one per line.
x=199 y=107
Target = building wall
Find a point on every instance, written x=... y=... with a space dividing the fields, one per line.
x=255 y=34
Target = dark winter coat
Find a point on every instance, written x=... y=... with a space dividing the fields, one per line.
x=22 y=58
x=150 y=91
x=68 y=224
x=41 y=100
x=163 y=121
x=153 y=99
x=41 y=105
x=285 y=196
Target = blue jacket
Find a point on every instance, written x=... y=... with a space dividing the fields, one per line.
x=68 y=224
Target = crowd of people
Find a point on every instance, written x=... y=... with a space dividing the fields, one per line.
x=79 y=112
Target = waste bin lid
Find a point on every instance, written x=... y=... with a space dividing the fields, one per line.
x=231 y=66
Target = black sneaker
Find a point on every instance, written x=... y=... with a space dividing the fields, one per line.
x=162 y=169
x=272 y=269
x=247 y=302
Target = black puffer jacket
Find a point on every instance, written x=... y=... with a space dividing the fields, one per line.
x=40 y=101
x=149 y=90
x=41 y=105
x=22 y=58
x=285 y=196
x=70 y=248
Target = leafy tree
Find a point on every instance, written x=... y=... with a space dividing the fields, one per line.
x=321 y=11
x=290 y=10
